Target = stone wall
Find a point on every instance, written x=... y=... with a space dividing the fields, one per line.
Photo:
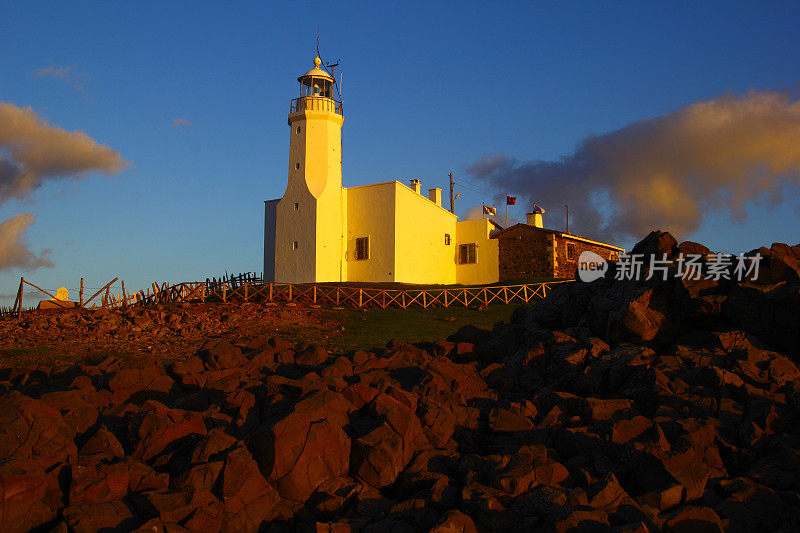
x=566 y=267
x=525 y=252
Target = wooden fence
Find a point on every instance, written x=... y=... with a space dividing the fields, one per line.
x=251 y=288
x=350 y=296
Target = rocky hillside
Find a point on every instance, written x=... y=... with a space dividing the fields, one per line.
x=624 y=406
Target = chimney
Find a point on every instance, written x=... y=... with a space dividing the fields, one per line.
x=534 y=219
x=435 y=196
x=416 y=185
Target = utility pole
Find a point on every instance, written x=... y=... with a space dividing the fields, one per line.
x=567 y=206
x=452 y=200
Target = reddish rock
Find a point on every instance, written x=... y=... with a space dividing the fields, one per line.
x=692 y=519
x=23 y=502
x=77 y=414
x=246 y=496
x=503 y=420
x=627 y=430
x=103 y=445
x=221 y=355
x=161 y=430
x=31 y=429
x=90 y=518
x=299 y=454
x=455 y=522
x=94 y=482
x=129 y=381
x=311 y=356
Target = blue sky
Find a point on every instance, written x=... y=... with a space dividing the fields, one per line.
x=428 y=89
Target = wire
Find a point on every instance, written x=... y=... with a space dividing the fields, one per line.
x=471 y=183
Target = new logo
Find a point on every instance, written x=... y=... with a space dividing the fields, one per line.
x=591 y=266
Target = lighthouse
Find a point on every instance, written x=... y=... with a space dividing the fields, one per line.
x=309 y=219
x=320 y=231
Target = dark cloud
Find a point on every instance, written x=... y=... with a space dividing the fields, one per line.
x=14 y=251
x=666 y=172
x=35 y=152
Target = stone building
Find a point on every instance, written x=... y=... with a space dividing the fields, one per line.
x=532 y=251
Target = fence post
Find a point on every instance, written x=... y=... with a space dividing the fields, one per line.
x=21 y=292
x=315 y=294
x=245 y=290
x=271 y=286
x=424 y=299
x=81 y=293
x=360 y=297
x=124 y=296
x=224 y=292
x=290 y=292
x=337 y=295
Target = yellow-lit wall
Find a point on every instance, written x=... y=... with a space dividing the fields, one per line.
x=319 y=224
x=369 y=214
x=486 y=268
x=420 y=227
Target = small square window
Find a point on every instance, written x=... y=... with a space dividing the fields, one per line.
x=362 y=248
x=297 y=166
x=466 y=254
x=571 y=254
x=296 y=206
x=294 y=245
x=447 y=239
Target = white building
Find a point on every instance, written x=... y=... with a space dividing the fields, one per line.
x=321 y=232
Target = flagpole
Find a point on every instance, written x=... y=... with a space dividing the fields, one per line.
x=483 y=210
x=506 y=210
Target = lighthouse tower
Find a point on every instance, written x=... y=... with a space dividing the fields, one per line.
x=310 y=219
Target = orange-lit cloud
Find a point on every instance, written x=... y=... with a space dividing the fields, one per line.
x=179 y=123
x=14 y=251
x=32 y=152
x=666 y=172
x=66 y=74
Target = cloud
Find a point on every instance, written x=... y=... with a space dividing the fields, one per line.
x=179 y=123
x=476 y=213
x=36 y=152
x=69 y=75
x=666 y=172
x=14 y=252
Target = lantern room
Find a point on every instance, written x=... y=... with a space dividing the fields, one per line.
x=316 y=92
x=316 y=82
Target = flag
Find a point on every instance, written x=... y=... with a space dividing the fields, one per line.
x=491 y=211
x=511 y=200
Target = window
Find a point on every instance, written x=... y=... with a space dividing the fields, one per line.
x=297 y=166
x=294 y=245
x=298 y=129
x=296 y=206
x=447 y=239
x=466 y=253
x=571 y=255
x=362 y=248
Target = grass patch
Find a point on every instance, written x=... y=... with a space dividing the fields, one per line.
x=42 y=355
x=375 y=327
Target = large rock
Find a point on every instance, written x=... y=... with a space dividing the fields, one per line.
x=298 y=454
x=31 y=429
